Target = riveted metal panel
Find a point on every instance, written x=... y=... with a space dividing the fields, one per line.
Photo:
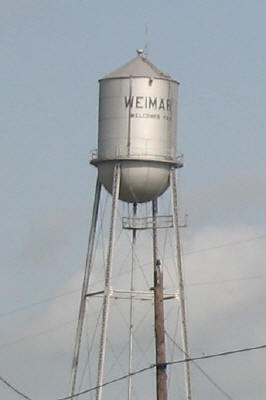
x=137 y=127
x=137 y=116
x=141 y=181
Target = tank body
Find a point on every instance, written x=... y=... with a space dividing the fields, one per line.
x=137 y=127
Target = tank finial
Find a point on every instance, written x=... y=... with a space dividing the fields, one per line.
x=140 y=52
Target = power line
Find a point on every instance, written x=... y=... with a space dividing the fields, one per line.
x=228 y=244
x=12 y=387
x=222 y=354
x=48 y=299
x=207 y=376
x=44 y=332
x=191 y=359
x=245 y=278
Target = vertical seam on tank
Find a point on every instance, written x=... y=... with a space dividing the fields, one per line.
x=170 y=134
x=176 y=121
x=129 y=118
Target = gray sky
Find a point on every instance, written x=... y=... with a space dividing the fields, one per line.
x=52 y=54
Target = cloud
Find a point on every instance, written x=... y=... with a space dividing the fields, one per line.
x=225 y=293
x=225 y=297
x=226 y=301
x=234 y=199
x=54 y=328
x=49 y=234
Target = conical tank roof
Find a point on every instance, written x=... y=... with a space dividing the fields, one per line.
x=138 y=67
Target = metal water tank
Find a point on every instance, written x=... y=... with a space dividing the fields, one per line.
x=137 y=127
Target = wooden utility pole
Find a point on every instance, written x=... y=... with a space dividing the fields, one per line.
x=161 y=376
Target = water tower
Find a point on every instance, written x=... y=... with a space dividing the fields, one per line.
x=136 y=161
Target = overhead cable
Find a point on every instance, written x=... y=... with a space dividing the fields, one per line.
x=207 y=376
x=12 y=387
x=228 y=244
x=222 y=354
x=191 y=359
x=186 y=253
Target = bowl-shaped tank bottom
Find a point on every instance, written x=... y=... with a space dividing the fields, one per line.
x=141 y=181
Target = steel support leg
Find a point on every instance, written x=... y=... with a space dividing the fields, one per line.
x=84 y=290
x=130 y=355
x=180 y=282
x=108 y=277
